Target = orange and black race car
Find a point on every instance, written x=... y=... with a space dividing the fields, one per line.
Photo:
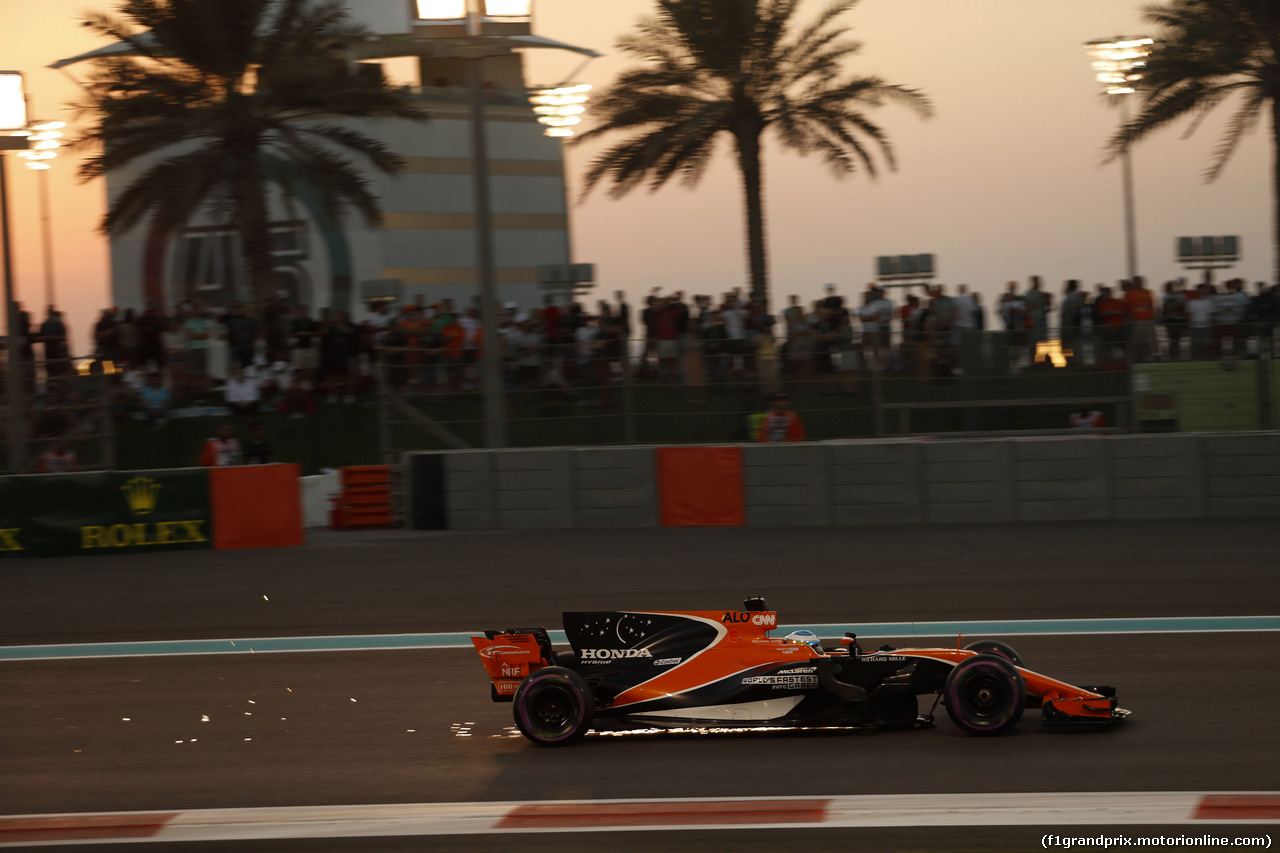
x=715 y=669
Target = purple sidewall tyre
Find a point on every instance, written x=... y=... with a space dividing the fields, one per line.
x=554 y=707
x=985 y=695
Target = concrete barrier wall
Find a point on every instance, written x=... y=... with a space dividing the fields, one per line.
x=876 y=483
x=1241 y=474
x=1060 y=480
x=615 y=487
x=968 y=482
x=1156 y=476
x=786 y=485
x=854 y=483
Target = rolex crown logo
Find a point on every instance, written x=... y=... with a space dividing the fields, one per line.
x=141 y=493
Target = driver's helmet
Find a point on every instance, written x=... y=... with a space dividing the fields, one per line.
x=804 y=638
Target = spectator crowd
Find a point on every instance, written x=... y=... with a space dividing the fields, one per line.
x=284 y=359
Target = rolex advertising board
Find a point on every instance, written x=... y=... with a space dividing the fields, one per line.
x=56 y=515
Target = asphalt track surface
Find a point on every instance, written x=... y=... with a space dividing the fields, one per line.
x=417 y=726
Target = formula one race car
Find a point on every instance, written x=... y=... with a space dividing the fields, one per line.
x=715 y=669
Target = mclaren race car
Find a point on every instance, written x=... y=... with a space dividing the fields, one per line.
x=715 y=669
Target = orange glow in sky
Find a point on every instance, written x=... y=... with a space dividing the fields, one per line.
x=1005 y=182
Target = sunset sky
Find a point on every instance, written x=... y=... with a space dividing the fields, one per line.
x=1004 y=182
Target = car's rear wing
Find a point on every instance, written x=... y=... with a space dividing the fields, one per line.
x=509 y=656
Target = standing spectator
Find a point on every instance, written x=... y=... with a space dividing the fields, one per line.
x=876 y=315
x=780 y=424
x=339 y=348
x=552 y=329
x=1038 y=304
x=693 y=367
x=1228 y=314
x=1140 y=312
x=422 y=350
x=1013 y=314
x=221 y=450
x=151 y=327
x=525 y=342
x=26 y=352
x=472 y=332
x=914 y=352
x=1110 y=315
x=276 y=319
x=1200 y=315
x=715 y=349
x=106 y=336
x=847 y=344
x=128 y=332
x=1173 y=316
x=608 y=351
x=826 y=343
x=53 y=334
x=650 y=348
x=623 y=321
x=793 y=315
x=882 y=310
x=965 y=335
x=801 y=344
x=942 y=313
x=735 y=326
x=585 y=343
x=242 y=335
x=766 y=357
x=258 y=450
x=452 y=348
x=1069 y=312
x=304 y=353
x=1263 y=313
x=243 y=393
x=666 y=334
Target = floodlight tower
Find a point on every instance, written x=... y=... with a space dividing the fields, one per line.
x=483 y=24
x=13 y=137
x=1117 y=64
x=44 y=148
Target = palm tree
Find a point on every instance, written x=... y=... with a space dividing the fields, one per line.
x=739 y=68
x=224 y=98
x=1205 y=52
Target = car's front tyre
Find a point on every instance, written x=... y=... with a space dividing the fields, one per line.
x=554 y=706
x=985 y=695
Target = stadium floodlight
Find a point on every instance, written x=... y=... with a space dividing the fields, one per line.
x=1118 y=61
x=508 y=8
x=13 y=101
x=442 y=10
x=560 y=109
x=457 y=10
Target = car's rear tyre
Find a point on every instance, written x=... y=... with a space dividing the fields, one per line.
x=554 y=707
x=995 y=647
x=985 y=695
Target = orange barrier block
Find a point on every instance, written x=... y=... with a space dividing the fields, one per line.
x=700 y=487
x=255 y=506
x=366 y=475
